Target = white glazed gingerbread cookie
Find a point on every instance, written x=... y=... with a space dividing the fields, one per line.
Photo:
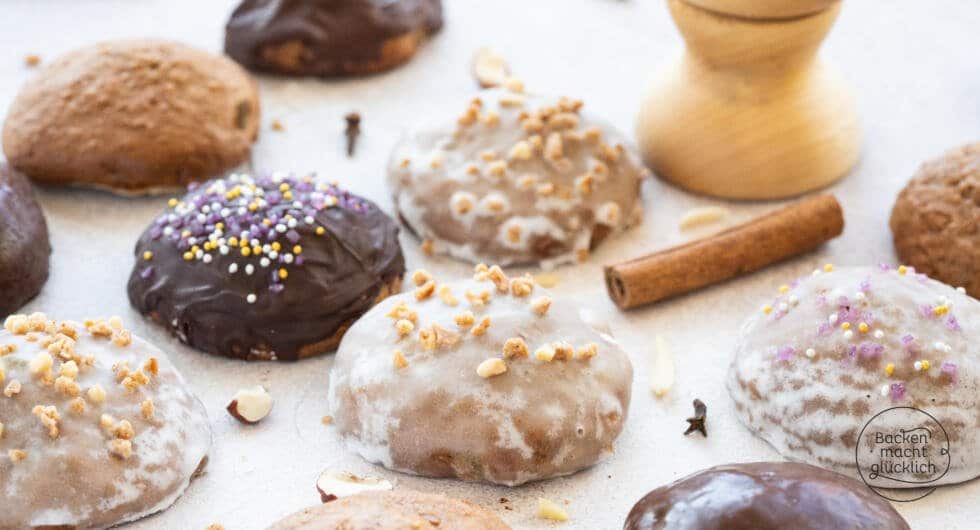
x=97 y=428
x=486 y=379
x=834 y=349
x=516 y=179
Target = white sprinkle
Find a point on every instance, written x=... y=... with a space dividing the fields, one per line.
x=264 y=262
x=848 y=334
x=192 y=241
x=859 y=296
x=199 y=254
x=793 y=300
x=816 y=272
x=250 y=298
x=810 y=352
x=879 y=334
x=783 y=306
x=288 y=258
x=233 y=268
x=255 y=243
x=201 y=218
x=223 y=249
x=308 y=219
x=249 y=269
x=884 y=390
x=266 y=248
x=207 y=258
x=918 y=366
x=168 y=230
x=291 y=223
x=832 y=318
x=273 y=254
x=225 y=212
x=281 y=228
x=961 y=290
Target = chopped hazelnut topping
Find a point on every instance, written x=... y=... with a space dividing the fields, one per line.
x=437 y=161
x=582 y=254
x=326 y=420
x=428 y=247
x=2 y=375
x=404 y=327
x=472 y=170
x=527 y=182
x=545 y=189
x=215 y=526
x=490 y=119
x=420 y=277
x=553 y=148
x=16 y=324
x=540 y=305
x=67 y=386
x=402 y=311
x=69 y=369
x=134 y=380
x=399 y=360
x=584 y=184
x=147 y=409
x=13 y=388
x=107 y=422
x=499 y=278
x=480 y=268
x=49 y=418
x=77 y=405
x=427 y=337
x=497 y=168
x=563 y=351
x=121 y=448
x=425 y=290
x=96 y=394
x=122 y=338
x=465 y=319
x=587 y=351
x=515 y=347
x=16 y=455
x=481 y=327
x=563 y=120
x=479 y=299
x=469 y=116
x=520 y=151
x=405 y=162
x=488 y=155
x=124 y=430
x=98 y=328
x=545 y=353
x=446 y=295
x=521 y=287
x=511 y=100
x=7 y=349
x=514 y=85
x=37 y=321
x=491 y=367
x=514 y=233
x=151 y=366
x=532 y=124
x=41 y=364
x=608 y=153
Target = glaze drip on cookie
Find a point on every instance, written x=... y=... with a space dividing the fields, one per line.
x=516 y=178
x=97 y=426
x=296 y=258
x=833 y=349
x=485 y=379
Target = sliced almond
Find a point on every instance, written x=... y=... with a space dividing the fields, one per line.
x=333 y=485
x=490 y=68
x=551 y=510
x=696 y=217
x=662 y=369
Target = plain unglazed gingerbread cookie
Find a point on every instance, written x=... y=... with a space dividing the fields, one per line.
x=832 y=350
x=132 y=116
x=516 y=179
x=486 y=379
x=97 y=427
x=936 y=220
x=393 y=510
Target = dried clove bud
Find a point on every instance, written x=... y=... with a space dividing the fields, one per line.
x=696 y=424
x=353 y=131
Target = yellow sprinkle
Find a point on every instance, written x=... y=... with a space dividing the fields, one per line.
x=172 y=202
x=246 y=251
x=233 y=241
x=185 y=233
x=219 y=226
x=845 y=326
x=283 y=273
x=195 y=248
x=902 y=269
x=767 y=309
x=320 y=230
x=257 y=250
x=925 y=365
x=783 y=288
x=276 y=246
x=284 y=187
x=941 y=310
x=862 y=327
x=252 y=207
x=147 y=255
x=889 y=369
x=267 y=221
x=828 y=267
x=297 y=249
x=188 y=256
x=288 y=195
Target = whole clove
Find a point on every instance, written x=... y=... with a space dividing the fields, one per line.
x=696 y=424
x=353 y=131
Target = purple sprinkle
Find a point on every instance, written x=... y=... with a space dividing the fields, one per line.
x=825 y=328
x=884 y=267
x=907 y=339
x=156 y=232
x=299 y=260
x=277 y=287
x=953 y=324
x=147 y=273
x=292 y=236
x=866 y=285
x=949 y=369
x=821 y=301
x=896 y=391
x=922 y=277
x=871 y=350
x=843 y=301
x=785 y=353
x=851 y=350
x=926 y=310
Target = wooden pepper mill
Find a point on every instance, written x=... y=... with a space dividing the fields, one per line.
x=750 y=112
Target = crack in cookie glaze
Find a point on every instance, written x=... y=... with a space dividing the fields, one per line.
x=24 y=245
x=861 y=340
x=516 y=179
x=329 y=37
x=764 y=496
x=97 y=427
x=485 y=379
x=269 y=267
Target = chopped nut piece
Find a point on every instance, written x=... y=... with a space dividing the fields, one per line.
x=491 y=367
x=465 y=319
x=545 y=189
x=67 y=386
x=96 y=394
x=425 y=290
x=553 y=148
x=551 y=510
x=77 y=405
x=134 y=380
x=427 y=337
x=402 y=311
x=446 y=295
x=584 y=184
x=49 y=418
x=587 y=351
x=511 y=100
x=428 y=247
x=147 y=409
x=563 y=351
x=41 y=364
x=16 y=324
x=122 y=338
x=514 y=85
x=7 y=349
x=499 y=279
x=521 y=287
x=120 y=448
x=13 y=388
x=151 y=366
x=32 y=60
x=277 y=126
x=490 y=68
x=399 y=359
x=702 y=216
x=520 y=151
x=540 y=305
x=333 y=485
x=481 y=327
x=107 y=422
x=420 y=277
x=1 y=429
x=16 y=455
x=124 y=430
x=326 y=420
x=69 y=369
x=662 y=370
x=515 y=347
x=490 y=119
x=479 y=299
x=545 y=353
x=250 y=405
x=404 y=327
x=497 y=168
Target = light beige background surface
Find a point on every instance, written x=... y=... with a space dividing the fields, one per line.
x=916 y=72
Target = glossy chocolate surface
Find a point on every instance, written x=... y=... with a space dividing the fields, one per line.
x=764 y=496
x=24 y=244
x=314 y=259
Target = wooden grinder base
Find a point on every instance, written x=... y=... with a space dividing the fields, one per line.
x=750 y=112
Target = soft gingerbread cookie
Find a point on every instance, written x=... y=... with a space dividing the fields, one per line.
x=98 y=427
x=393 y=510
x=516 y=179
x=24 y=245
x=834 y=349
x=936 y=219
x=329 y=37
x=484 y=379
x=133 y=116
x=764 y=496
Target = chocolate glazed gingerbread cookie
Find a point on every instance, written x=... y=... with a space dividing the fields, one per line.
x=265 y=268
x=24 y=245
x=329 y=37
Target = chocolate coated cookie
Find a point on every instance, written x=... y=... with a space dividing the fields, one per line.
x=329 y=37
x=24 y=245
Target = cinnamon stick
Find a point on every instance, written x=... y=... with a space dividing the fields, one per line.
x=798 y=228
